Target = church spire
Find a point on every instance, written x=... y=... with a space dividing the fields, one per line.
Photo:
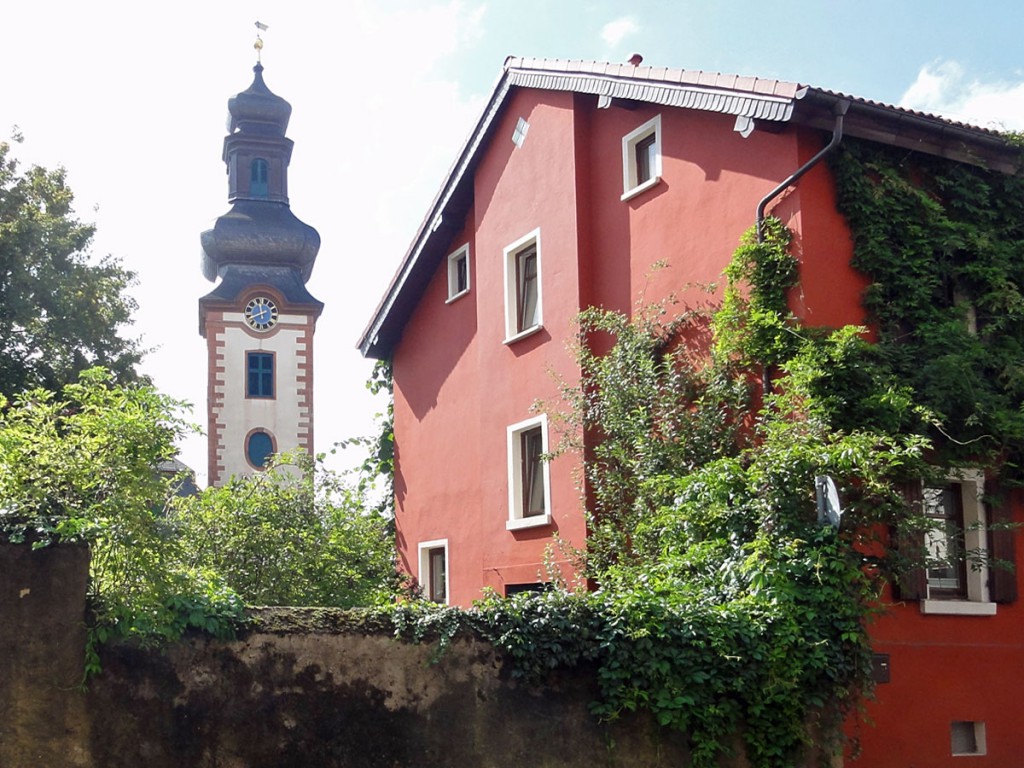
x=259 y=319
x=260 y=228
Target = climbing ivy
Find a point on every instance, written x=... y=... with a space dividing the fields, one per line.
x=754 y=325
x=723 y=605
x=943 y=246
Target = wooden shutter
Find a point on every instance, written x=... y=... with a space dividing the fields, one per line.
x=1002 y=580
x=912 y=584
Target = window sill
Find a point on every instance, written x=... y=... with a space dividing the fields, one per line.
x=457 y=296
x=640 y=188
x=958 y=608
x=536 y=521
x=523 y=334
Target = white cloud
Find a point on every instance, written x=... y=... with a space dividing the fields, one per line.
x=614 y=32
x=944 y=88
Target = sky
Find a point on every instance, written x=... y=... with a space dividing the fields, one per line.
x=131 y=98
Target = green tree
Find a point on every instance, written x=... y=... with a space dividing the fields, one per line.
x=81 y=466
x=296 y=534
x=62 y=310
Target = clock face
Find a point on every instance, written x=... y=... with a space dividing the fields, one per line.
x=261 y=313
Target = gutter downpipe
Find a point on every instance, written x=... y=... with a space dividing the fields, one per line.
x=839 y=109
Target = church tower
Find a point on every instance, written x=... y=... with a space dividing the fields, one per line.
x=259 y=320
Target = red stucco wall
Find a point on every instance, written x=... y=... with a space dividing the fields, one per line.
x=458 y=386
x=466 y=386
x=945 y=669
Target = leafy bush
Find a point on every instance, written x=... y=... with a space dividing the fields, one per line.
x=82 y=467
x=296 y=534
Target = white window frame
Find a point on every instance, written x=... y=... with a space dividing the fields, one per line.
x=512 y=332
x=453 y=273
x=423 y=561
x=977 y=730
x=516 y=519
x=519 y=134
x=630 y=186
x=977 y=603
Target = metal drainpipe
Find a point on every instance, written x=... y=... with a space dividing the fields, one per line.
x=839 y=109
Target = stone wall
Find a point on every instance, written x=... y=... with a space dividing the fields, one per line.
x=304 y=689
x=326 y=699
x=43 y=718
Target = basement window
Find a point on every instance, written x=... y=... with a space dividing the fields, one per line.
x=967 y=738
x=433 y=570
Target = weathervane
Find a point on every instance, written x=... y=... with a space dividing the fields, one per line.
x=258 y=45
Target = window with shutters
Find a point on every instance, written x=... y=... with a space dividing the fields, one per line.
x=529 y=484
x=523 y=315
x=955 y=541
x=433 y=570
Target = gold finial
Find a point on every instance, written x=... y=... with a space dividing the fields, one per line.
x=258 y=45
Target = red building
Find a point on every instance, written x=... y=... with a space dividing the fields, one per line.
x=576 y=181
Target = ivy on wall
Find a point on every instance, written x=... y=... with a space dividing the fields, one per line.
x=943 y=246
x=723 y=605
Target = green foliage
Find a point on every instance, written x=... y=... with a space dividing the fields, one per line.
x=82 y=467
x=724 y=606
x=379 y=464
x=754 y=325
x=296 y=534
x=943 y=246
x=62 y=310
x=645 y=408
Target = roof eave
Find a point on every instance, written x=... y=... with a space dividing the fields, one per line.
x=771 y=101
x=911 y=130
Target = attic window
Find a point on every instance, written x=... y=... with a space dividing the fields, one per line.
x=641 y=158
x=519 y=134
x=523 y=287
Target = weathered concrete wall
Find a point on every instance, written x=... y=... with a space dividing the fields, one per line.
x=305 y=689
x=43 y=718
x=353 y=699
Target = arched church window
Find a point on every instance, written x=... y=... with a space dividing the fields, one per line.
x=259 y=448
x=259 y=172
